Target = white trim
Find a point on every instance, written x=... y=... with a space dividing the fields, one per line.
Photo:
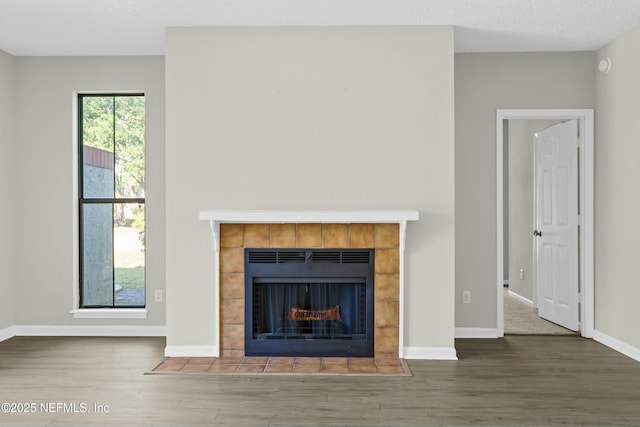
x=500 y=222
x=191 y=351
x=109 y=313
x=520 y=298
x=617 y=345
x=75 y=212
x=309 y=216
x=403 y=232
x=217 y=217
x=7 y=333
x=476 y=333
x=430 y=353
x=586 y=124
x=90 y=331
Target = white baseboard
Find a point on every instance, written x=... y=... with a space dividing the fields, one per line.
x=617 y=345
x=7 y=333
x=90 y=331
x=521 y=298
x=476 y=333
x=191 y=351
x=430 y=353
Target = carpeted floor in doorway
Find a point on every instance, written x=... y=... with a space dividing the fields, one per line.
x=520 y=319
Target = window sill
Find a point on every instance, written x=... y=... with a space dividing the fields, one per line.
x=109 y=313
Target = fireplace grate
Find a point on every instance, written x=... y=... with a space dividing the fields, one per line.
x=289 y=256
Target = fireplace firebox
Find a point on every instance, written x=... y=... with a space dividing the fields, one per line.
x=309 y=302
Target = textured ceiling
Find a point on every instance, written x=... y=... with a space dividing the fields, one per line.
x=136 y=27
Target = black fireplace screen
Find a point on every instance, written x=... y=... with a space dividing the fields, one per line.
x=309 y=310
x=309 y=302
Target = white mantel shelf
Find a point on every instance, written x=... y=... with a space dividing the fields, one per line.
x=217 y=217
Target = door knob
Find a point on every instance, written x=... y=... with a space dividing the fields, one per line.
x=537 y=233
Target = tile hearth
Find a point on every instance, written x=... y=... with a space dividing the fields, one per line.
x=285 y=365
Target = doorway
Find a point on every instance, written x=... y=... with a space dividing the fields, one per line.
x=584 y=298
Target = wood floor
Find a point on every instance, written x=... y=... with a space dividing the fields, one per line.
x=519 y=380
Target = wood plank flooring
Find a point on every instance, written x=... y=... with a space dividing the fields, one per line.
x=519 y=380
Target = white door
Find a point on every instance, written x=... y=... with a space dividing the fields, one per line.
x=556 y=224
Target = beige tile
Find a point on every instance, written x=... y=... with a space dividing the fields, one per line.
x=177 y=360
x=232 y=311
x=335 y=368
x=387 y=236
x=257 y=235
x=279 y=368
x=309 y=236
x=387 y=261
x=283 y=235
x=231 y=235
x=226 y=360
x=232 y=285
x=362 y=361
x=195 y=367
x=251 y=368
x=335 y=236
x=223 y=367
x=363 y=369
x=232 y=260
x=335 y=361
x=361 y=236
x=387 y=313
x=202 y=360
x=306 y=368
x=387 y=286
x=232 y=337
x=386 y=339
x=308 y=360
x=253 y=360
x=281 y=360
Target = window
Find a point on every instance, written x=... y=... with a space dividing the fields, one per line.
x=111 y=129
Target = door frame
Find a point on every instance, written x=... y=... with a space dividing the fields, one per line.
x=586 y=196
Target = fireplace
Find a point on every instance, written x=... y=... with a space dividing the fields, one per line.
x=235 y=230
x=309 y=302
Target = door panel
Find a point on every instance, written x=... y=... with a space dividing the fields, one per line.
x=557 y=221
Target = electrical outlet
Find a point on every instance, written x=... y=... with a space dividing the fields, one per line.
x=158 y=295
x=466 y=297
x=522 y=274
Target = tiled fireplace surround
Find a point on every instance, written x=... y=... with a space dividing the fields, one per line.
x=383 y=237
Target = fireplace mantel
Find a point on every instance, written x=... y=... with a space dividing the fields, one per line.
x=273 y=217
x=217 y=217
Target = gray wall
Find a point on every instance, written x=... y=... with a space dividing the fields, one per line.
x=310 y=118
x=47 y=268
x=520 y=204
x=617 y=174
x=484 y=83
x=8 y=209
